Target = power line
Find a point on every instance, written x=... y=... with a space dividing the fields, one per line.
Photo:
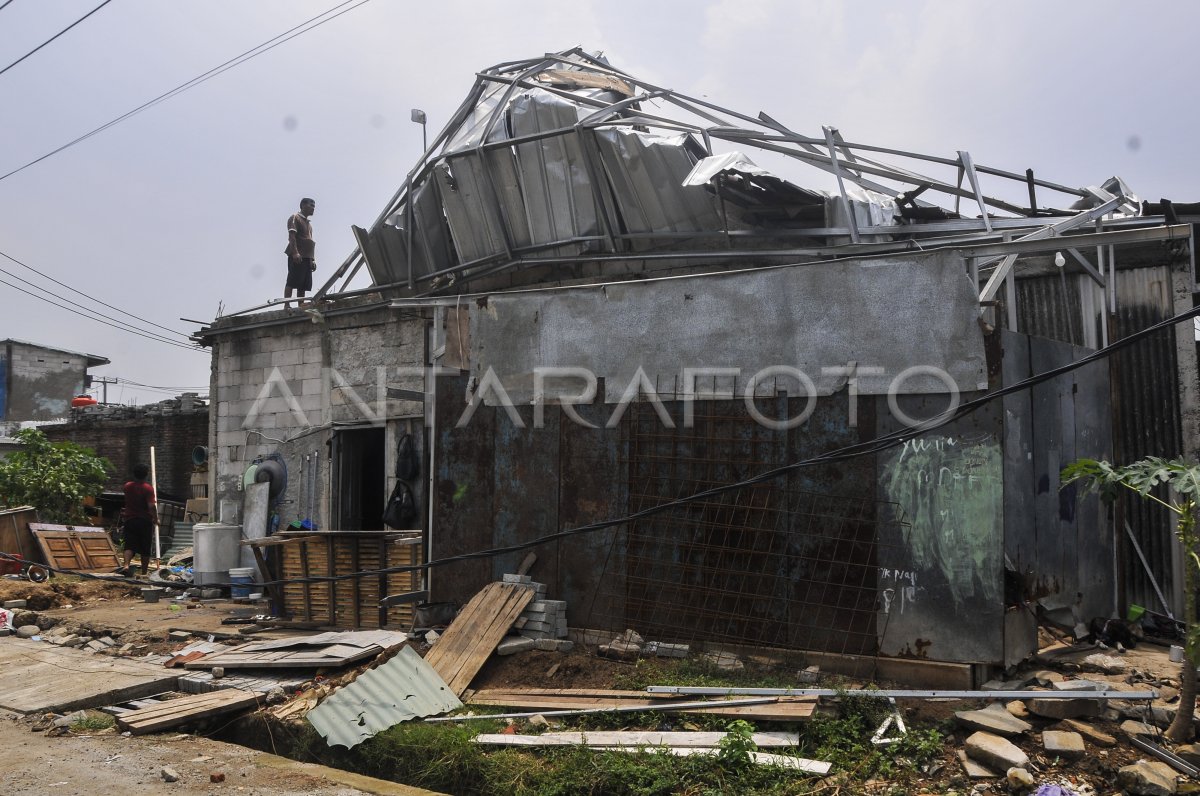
x=253 y=52
x=127 y=326
x=87 y=296
x=55 y=36
x=98 y=320
x=7 y=3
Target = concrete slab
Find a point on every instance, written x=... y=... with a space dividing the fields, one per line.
x=994 y=718
x=41 y=678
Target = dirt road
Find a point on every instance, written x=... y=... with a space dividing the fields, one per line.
x=33 y=763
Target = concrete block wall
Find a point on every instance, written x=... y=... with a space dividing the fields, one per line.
x=126 y=442
x=280 y=388
x=41 y=382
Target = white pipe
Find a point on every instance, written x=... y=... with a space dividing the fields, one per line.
x=154 y=486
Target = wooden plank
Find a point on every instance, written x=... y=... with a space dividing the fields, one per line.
x=472 y=637
x=308 y=606
x=635 y=738
x=331 y=571
x=43 y=678
x=185 y=710
x=357 y=595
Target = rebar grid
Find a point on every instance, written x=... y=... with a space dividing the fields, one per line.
x=771 y=565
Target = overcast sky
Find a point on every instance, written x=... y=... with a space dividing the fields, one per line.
x=181 y=209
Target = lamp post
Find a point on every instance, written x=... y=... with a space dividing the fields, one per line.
x=418 y=116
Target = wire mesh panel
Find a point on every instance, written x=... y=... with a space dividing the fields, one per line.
x=765 y=565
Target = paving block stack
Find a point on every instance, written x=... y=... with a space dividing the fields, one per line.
x=544 y=621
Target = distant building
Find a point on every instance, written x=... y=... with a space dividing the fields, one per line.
x=38 y=382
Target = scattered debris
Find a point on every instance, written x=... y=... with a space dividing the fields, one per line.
x=1147 y=778
x=995 y=752
x=169 y=774
x=994 y=718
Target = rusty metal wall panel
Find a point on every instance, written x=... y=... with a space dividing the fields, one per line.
x=1146 y=392
x=525 y=491
x=462 y=499
x=594 y=486
x=947 y=576
x=1144 y=400
x=1073 y=553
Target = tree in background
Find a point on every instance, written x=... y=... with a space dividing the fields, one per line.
x=53 y=477
x=1183 y=479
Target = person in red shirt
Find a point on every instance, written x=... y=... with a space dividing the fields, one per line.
x=140 y=516
x=301 y=251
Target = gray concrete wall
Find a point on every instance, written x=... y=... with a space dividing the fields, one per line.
x=889 y=313
x=285 y=388
x=40 y=382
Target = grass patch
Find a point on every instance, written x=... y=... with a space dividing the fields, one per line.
x=93 y=722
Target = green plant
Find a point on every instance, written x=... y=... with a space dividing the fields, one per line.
x=93 y=722
x=734 y=749
x=53 y=477
x=1183 y=479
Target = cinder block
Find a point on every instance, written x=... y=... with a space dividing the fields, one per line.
x=517 y=579
x=512 y=645
x=292 y=356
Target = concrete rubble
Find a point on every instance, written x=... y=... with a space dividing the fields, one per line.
x=1148 y=778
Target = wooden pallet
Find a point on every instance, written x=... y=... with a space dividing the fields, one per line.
x=781 y=709
x=174 y=712
x=473 y=635
x=354 y=602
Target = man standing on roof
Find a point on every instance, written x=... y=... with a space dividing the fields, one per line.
x=140 y=515
x=301 y=251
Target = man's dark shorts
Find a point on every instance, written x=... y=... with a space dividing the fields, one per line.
x=300 y=273
x=139 y=534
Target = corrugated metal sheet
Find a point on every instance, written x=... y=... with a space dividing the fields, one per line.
x=1145 y=393
x=646 y=174
x=404 y=688
x=554 y=175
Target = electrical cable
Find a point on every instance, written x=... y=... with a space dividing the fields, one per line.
x=98 y=320
x=253 y=52
x=86 y=295
x=876 y=445
x=7 y=3
x=55 y=36
x=125 y=326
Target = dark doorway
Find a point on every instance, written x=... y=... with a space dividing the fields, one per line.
x=360 y=479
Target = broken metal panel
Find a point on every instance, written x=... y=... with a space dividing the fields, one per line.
x=942 y=586
x=645 y=173
x=820 y=316
x=399 y=690
x=472 y=215
x=555 y=180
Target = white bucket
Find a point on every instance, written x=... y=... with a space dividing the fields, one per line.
x=242 y=579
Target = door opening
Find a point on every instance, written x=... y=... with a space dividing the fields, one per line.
x=361 y=479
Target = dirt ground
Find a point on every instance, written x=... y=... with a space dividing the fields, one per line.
x=60 y=592
x=83 y=765
x=119 y=610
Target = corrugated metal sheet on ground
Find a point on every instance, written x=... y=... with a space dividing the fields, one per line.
x=404 y=688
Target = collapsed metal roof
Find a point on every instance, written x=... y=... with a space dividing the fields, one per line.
x=563 y=167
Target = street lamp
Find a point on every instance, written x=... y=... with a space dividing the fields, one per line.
x=418 y=116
